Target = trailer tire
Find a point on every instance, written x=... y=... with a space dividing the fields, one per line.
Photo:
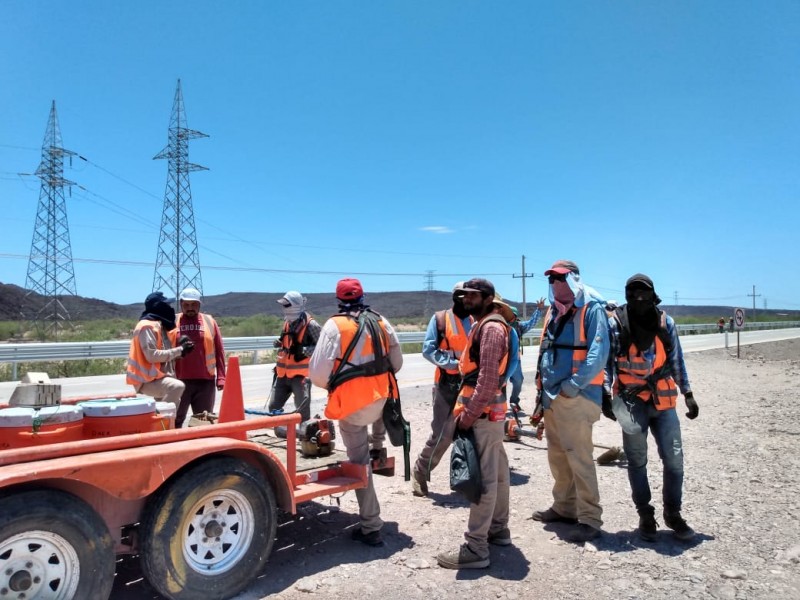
x=54 y=545
x=209 y=532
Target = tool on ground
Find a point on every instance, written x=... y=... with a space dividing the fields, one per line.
x=316 y=436
x=611 y=454
x=512 y=428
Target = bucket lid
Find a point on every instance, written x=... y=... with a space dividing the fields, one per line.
x=23 y=416
x=113 y=407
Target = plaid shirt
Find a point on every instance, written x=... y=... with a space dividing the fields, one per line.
x=494 y=346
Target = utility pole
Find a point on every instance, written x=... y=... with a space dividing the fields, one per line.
x=177 y=259
x=50 y=271
x=428 y=290
x=754 y=295
x=524 y=276
x=675 y=295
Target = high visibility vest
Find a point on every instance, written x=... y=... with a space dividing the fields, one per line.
x=454 y=338
x=469 y=367
x=579 y=346
x=356 y=392
x=208 y=341
x=288 y=365
x=139 y=370
x=635 y=373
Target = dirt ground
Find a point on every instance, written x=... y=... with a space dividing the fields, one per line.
x=741 y=495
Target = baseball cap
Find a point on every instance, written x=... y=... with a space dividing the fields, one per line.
x=562 y=267
x=640 y=280
x=156 y=298
x=349 y=289
x=291 y=298
x=190 y=294
x=484 y=286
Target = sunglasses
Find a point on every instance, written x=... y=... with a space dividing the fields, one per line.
x=556 y=277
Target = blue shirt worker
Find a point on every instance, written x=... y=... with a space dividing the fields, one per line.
x=647 y=369
x=521 y=328
x=445 y=340
x=574 y=350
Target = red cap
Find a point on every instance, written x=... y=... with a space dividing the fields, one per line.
x=562 y=267
x=349 y=290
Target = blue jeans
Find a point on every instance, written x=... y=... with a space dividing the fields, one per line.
x=636 y=417
x=516 y=385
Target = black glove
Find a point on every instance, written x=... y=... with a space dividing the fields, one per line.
x=277 y=343
x=691 y=404
x=186 y=345
x=606 y=407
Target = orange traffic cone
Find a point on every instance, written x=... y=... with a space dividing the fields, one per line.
x=232 y=405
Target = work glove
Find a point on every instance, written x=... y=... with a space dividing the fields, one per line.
x=691 y=404
x=277 y=343
x=606 y=406
x=186 y=345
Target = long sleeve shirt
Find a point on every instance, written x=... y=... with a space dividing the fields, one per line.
x=166 y=355
x=675 y=358
x=444 y=359
x=493 y=347
x=526 y=326
x=193 y=365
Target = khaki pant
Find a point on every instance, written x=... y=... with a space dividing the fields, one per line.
x=568 y=427
x=166 y=389
x=442 y=428
x=491 y=513
x=356 y=438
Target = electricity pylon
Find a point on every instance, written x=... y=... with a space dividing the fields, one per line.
x=177 y=260
x=50 y=271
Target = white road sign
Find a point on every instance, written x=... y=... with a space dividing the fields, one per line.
x=738 y=318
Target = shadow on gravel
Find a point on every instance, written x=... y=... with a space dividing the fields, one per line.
x=448 y=500
x=508 y=564
x=517 y=478
x=629 y=541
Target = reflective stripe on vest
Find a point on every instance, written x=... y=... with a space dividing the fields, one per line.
x=354 y=394
x=139 y=370
x=634 y=369
x=579 y=343
x=287 y=366
x=454 y=338
x=469 y=371
x=208 y=341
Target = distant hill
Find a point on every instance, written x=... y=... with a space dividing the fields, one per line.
x=14 y=305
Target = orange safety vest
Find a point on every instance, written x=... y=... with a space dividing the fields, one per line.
x=140 y=370
x=454 y=338
x=208 y=341
x=288 y=365
x=468 y=366
x=579 y=346
x=633 y=371
x=364 y=379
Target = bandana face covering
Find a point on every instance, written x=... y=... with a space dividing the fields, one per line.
x=562 y=296
x=292 y=313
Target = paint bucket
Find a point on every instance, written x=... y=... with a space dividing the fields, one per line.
x=106 y=418
x=22 y=427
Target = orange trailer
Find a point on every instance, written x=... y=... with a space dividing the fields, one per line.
x=198 y=505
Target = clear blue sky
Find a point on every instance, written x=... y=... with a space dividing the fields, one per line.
x=391 y=138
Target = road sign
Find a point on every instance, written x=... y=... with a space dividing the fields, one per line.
x=738 y=318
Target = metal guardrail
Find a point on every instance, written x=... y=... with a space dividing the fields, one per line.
x=43 y=352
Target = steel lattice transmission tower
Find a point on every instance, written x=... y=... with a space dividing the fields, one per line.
x=50 y=271
x=178 y=261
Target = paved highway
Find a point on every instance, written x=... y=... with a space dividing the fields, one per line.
x=256 y=379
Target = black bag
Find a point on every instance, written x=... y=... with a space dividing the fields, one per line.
x=396 y=425
x=465 y=466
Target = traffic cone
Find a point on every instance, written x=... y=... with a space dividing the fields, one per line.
x=232 y=405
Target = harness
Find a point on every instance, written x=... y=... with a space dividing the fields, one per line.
x=345 y=371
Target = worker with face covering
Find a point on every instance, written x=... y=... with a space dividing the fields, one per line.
x=295 y=346
x=573 y=353
x=647 y=369
x=154 y=350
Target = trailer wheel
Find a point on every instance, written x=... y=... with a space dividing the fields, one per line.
x=209 y=532
x=54 y=546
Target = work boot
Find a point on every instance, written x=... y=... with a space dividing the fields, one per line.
x=501 y=537
x=680 y=529
x=551 y=516
x=648 y=527
x=582 y=532
x=419 y=485
x=463 y=558
x=373 y=538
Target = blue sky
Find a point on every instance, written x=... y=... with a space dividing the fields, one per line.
x=390 y=139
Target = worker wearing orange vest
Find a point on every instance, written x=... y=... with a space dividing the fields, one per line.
x=203 y=373
x=356 y=357
x=573 y=353
x=154 y=350
x=481 y=407
x=647 y=369
x=445 y=340
x=295 y=346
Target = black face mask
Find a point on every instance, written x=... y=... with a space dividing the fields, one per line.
x=459 y=310
x=161 y=312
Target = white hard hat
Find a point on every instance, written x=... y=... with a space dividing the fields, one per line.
x=190 y=294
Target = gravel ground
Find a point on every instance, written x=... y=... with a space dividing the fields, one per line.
x=741 y=495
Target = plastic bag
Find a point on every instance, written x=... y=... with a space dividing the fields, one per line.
x=465 y=466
